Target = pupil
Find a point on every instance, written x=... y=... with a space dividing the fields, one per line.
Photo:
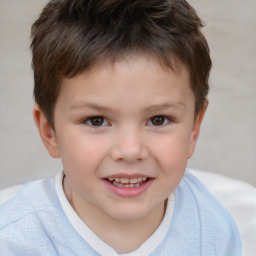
x=159 y=120
x=97 y=121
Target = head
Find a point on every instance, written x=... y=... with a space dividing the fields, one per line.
x=121 y=90
x=71 y=37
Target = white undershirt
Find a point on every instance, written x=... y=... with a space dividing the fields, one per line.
x=95 y=242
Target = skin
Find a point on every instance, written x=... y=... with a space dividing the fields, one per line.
x=147 y=128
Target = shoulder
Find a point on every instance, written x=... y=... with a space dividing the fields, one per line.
x=21 y=202
x=239 y=198
x=207 y=204
x=24 y=217
x=32 y=222
x=200 y=224
x=9 y=192
x=199 y=213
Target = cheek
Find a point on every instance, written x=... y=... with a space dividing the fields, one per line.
x=171 y=155
x=81 y=162
x=173 y=149
x=81 y=154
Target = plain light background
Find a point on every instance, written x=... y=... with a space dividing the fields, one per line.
x=227 y=143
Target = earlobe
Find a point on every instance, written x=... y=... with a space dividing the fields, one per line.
x=47 y=134
x=196 y=130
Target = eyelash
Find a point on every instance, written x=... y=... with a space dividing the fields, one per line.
x=102 y=122
x=164 y=119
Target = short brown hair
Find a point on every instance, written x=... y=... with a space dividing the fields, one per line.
x=71 y=36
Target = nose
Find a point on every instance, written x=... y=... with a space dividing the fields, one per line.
x=129 y=146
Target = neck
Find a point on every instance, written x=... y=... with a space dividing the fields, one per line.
x=126 y=235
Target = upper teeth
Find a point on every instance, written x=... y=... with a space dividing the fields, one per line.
x=126 y=180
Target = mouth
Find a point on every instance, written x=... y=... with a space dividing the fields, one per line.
x=126 y=182
x=128 y=186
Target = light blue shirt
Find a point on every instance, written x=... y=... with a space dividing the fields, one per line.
x=34 y=223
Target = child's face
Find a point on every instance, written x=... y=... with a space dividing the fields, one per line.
x=120 y=124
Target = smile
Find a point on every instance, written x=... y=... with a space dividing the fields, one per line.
x=127 y=183
x=126 y=186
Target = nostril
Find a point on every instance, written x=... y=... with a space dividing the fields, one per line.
x=129 y=153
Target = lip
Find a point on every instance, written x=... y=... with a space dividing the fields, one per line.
x=128 y=176
x=128 y=191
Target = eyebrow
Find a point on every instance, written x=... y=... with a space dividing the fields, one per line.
x=89 y=105
x=158 y=107
x=155 y=107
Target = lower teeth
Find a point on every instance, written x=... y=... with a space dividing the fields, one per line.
x=126 y=185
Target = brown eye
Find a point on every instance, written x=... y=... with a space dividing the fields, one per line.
x=96 y=121
x=158 y=120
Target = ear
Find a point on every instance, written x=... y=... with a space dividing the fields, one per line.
x=196 y=129
x=47 y=134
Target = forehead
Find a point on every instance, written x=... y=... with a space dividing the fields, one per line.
x=128 y=79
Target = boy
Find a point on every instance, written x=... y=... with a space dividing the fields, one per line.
x=120 y=91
